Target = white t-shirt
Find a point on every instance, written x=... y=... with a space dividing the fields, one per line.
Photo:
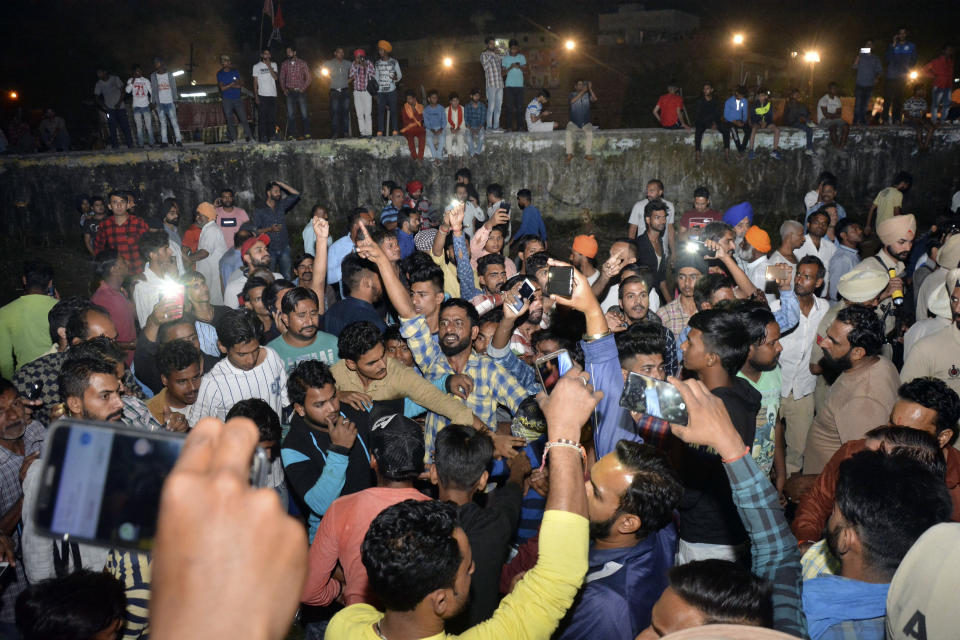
x=833 y=106
x=141 y=90
x=266 y=85
x=164 y=95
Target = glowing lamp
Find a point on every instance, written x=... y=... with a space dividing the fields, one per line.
x=811 y=57
x=738 y=39
x=447 y=62
x=570 y=45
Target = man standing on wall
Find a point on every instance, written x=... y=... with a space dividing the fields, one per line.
x=515 y=64
x=294 y=80
x=228 y=79
x=388 y=75
x=265 y=95
x=492 y=62
x=165 y=97
x=901 y=58
x=108 y=93
x=339 y=74
x=361 y=71
x=271 y=219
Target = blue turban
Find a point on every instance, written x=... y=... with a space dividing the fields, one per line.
x=738 y=212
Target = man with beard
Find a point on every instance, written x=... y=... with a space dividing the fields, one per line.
x=159 y=273
x=121 y=231
x=20 y=444
x=938 y=355
x=623 y=253
x=762 y=371
x=211 y=249
x=408 y=224
x=675 y=315
x=798 y=382
x=255 y=255
x=181 y=369
x=740 y=217
x=169 y=223
x=861 y=398
x=302 y=267
x=635 y=305
x=303 y=340
x=650 y=247
x=229 y=217
x=529 y=322
x=631 y=495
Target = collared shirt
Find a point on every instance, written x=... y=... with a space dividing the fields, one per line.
x=361 y=74
x=385 y=70
x=492 y=62
x=824 y=252
x=433 y=116
x=797 y=346
x=339 y=72
x=295 y=75
x=475 y=115
x=673 y=316
x=757 y=272
x=492 y=384
x=266 y=216
x=226 y=385
x=123 y=238
x=335 y=255
x=580 y=109
x=405 y=240
x=938 y=356
x=841 y=262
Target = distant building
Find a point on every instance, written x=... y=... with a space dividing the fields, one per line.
x=634 y=25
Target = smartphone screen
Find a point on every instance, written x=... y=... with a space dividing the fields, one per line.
x=551 y=367
x=653 y=397
x=865 y=50
x=172 y=295
x=525 y=292
x=560 y=281
x=101 y=482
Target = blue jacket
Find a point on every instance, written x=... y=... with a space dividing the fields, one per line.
x=899 y=58
x=434 y=116
x=735 y=109
x=620 y=589
x=531 y=223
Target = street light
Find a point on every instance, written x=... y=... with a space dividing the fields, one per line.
x=13 y=95
x=738 y=39
x=914 y=75
x=447 y=61
x=812 y=58
x=570 y=45
x=324 y=72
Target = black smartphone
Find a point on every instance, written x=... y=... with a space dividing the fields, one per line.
x=552 y=367
x=560 y=281
x=34 y=391
x=525 y=292
x=101 y=482
x=653 y=397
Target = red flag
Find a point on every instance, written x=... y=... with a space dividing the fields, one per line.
x=278 y=20
x=268 y=7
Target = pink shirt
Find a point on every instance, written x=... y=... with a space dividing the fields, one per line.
x=339 y=537
x=233 y=220
x=122 y=312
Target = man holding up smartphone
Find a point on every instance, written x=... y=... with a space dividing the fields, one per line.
x=869 y=68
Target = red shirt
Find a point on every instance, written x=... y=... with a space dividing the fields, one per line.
x=191 y=238
x=669 y=103
x=123 y=238
x=122 y=312
x=941 y=68
x=694 y=219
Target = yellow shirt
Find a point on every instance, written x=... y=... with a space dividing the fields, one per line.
x=451 y=286
x=886 y=201
x=531 y=611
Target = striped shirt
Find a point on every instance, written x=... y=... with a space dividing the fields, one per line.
x=492 y=69
x=133 y=570
x=226 y=385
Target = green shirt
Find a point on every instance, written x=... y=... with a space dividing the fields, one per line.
x=324 y=349
x=24 y=331
x=763 y=442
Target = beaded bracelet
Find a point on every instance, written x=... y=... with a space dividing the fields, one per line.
x=566 y=444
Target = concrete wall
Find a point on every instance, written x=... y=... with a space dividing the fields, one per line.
x=37 y=192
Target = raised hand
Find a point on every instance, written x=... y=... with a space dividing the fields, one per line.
x=569 y=405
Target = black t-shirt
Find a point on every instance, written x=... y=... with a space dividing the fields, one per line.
x=145 y=363
x=707 y=512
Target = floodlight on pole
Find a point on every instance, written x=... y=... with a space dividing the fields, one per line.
x=447 y=62
x=738 y=39
x=13 y=95
x=914 y=75
x=812 y=57
x=570 y=45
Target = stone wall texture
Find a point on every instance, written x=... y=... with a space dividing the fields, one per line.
x=37 y=192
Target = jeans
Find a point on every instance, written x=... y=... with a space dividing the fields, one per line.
x=475 y=141
x=118 y=118
x=280 y=262
x=893 y=90
x=940 y=104
x=363 y=105
x=267 y=118
x=340 y=112
x=861 y=104
x=235 y=106
x=387 y=100
x=701 y=127
x=740 y=135
x=295 y=98
x=513 y=108
x=168 y=112
x=494 y=102
x=587 y=129
x=141 y=115
x=808 y=130
x=435 y=142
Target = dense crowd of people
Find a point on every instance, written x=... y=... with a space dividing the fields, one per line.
x=431 y=472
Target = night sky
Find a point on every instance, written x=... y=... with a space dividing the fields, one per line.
x=52 y=47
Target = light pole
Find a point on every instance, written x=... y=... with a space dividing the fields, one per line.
x=738 y=40
x=811 y=57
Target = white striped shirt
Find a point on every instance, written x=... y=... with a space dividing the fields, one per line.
x=225 y=385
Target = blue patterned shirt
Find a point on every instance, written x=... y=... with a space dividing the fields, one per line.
x=475 y=117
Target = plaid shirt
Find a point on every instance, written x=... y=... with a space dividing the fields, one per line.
x=492 y=69
x=492 y=384
x=295 y=75
x=475 y=117
x=654 y=431
x=671 y=361
x=123 y=238
x=361 y=74
x=520 y=345
x=10 y=493
x=773 y=547
x=673 y=316
x=482 y=302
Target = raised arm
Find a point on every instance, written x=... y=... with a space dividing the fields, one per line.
x=397 y=293
x=321 y=229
